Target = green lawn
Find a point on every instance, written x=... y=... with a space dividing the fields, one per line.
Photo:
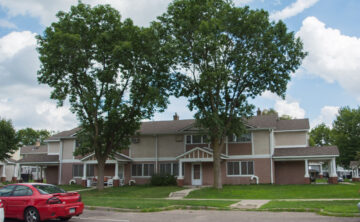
x=311 y=191
x=338 y=208
x=71 y=187
x=137 y=197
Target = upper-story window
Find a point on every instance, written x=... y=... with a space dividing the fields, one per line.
x=244 y=138
x=196 y=139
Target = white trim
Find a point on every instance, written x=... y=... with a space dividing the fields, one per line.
x=272 y=153
x=50 y=154
x=306 y=157
x=74 y=149
x=192 y=175
x=72 y=161
x=36 y=163
x=153 y=159
x=297 y=130
x=192 y=150
x=191 y=160
x=240 y=175
x=156 y=154
x=60 y=160
x=51 y=141
x=292 y=146
x=259 y=156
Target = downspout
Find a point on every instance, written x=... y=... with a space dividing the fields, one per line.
x=60 y=160
x=256 y=177
x=271 y=155
x=156 y=153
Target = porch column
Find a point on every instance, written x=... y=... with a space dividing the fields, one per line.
x=17 y=175
x=306 y=176
x=37 y=173
x=116 y=179
x=41 y=174
x=83 y=181
x=321 y=171
x=180 y=178
x=332 y=174
x=3 y=175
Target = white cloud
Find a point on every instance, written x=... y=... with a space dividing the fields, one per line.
x=293 y=9
x=6 y=24
x=293 y=109
x=21 y=98
x=327 y=116
x=141 y=11
x=332 y=55
x=288 y=106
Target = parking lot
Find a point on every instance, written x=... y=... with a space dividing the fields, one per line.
x=202 y=216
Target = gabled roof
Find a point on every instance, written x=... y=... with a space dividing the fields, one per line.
x=307 y=151
x=180 y=126
x=32 y=149
x=39 y=158
x=64 y=134
x=195 y=152
x=354 y=164
x=118 y=156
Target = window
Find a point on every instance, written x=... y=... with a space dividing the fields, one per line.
x=79 y=169
x=139 y=170
x=6 y=191
x=240 y=168
x=196 y=139
x=244 y=138
x=48 y=189
x=22 y=191
x=170 y=168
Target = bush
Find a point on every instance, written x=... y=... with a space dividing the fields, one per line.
x=163 y=180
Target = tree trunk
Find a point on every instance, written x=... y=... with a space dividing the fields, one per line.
x=217 y=164
x=101 y=167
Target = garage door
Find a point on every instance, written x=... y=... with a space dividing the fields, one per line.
x=289 y=172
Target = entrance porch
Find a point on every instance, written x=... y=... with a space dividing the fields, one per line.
x=198 y=163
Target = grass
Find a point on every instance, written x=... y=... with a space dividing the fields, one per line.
x=270 y=192
x=139 y=197
x=323 y=180
x=71 y=187
x=334 y=208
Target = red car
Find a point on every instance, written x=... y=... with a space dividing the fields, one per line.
x=35 y=202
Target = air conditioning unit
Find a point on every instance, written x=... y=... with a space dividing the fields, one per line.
x=135 y=140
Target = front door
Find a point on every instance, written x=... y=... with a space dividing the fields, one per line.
x=196 y=177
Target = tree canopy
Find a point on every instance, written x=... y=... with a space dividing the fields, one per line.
x=8 y=139
x=272 y=111
x=226 y=55
x=321 y=135
x=29 y=136
x=113 y=73
x=346 y=131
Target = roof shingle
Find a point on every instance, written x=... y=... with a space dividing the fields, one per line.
x=40 y=158
x=307 y=151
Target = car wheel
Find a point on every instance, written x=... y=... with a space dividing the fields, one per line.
x=65 y=218
x=32 y=215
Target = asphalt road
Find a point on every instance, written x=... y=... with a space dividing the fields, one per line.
x=203 y=216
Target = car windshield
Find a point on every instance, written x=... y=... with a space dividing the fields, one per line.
x=48 y=189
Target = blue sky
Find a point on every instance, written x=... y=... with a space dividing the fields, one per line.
x=328 y=78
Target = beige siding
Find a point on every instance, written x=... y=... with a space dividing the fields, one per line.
x=68 y=149
x=261 y=142
x=290 y=138
x=169 y=147
x=144 y=149
x=53 y=147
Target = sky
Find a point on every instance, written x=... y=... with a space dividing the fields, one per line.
x=329 y=77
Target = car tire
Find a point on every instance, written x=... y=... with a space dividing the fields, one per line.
x=65 y=218
x=31 y=214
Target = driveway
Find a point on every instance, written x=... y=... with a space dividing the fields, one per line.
x=202 y=216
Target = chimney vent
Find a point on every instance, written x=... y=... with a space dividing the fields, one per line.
x=176 y=117
x=37 y=144
x=258 y=112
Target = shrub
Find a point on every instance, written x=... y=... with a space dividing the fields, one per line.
x=163 y=180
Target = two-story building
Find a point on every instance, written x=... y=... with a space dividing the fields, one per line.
x=272 y=151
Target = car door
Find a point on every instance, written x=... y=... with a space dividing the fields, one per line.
x=19 y=200
x=5 y=193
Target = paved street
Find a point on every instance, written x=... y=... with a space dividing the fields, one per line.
x=203 y=216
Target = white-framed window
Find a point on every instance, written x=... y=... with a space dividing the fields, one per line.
x=142 y=170
x=244 y=138
x=170 y=168
x=196 y=139
x=78 y=170
x=239 y=168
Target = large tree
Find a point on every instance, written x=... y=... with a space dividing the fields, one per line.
x=114 y=73
x=227 y=55
x=8 y=139
x=29 y=136
x=346 y=131
x=321 y=135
